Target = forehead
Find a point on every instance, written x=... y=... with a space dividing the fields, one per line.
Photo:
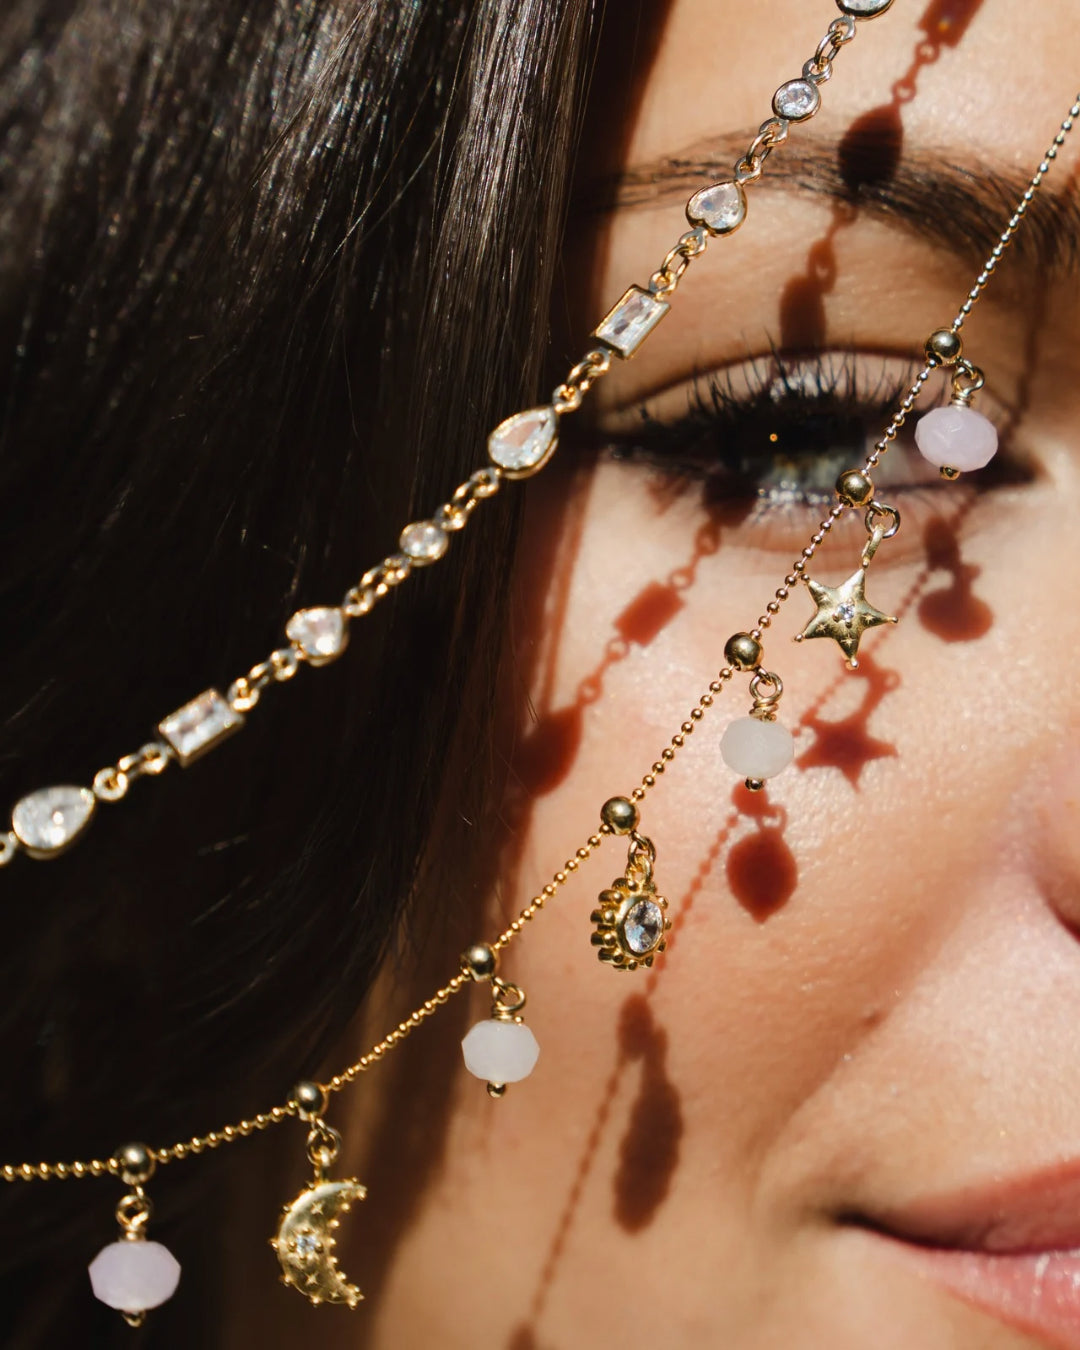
x=983 y=76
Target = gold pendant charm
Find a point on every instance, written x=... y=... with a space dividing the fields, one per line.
x=843 y=612
x=631 y=920
x=305 y=1239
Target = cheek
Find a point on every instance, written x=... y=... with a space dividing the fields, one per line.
x=803 y=915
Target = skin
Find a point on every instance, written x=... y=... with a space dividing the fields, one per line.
x=872 y=991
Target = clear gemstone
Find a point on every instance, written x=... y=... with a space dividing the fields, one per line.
x=320 y=633
x=523 y=443
x=48 y=820
x=200 y=725
x=757 y=749
x=424 y=542
x=797 y=100
x=500 y=1052
x=631 y=321
x=134 y=1276
x=643 y=926
x=955 y=437
x=720 y=208
x=845 y=613
x=864 y=9
x=307 y=1244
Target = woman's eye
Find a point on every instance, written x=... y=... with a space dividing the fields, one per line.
x=777 y=432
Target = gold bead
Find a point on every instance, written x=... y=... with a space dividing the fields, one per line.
x=620 y=815
x=136 y=1163
x=943 y=347
x=479 y=962
x=742 y=651
x=310 y=1099
x=855 y=487
x=948 y=472
x=755 y=785
x=496 y=1089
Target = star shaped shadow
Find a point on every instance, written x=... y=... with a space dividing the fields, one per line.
x=843 y=614
x=845 y=745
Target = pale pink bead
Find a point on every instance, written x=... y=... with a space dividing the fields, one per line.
x=755 y=749
x=501 y=1052
x=134 y=1276
x=955 y=437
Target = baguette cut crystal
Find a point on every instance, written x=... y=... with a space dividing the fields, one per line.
x=524 y=443
x=720 y=208
x=199 y=726
x=48 y=820
x=797 y=100
x=320 y=633
x=631 y=321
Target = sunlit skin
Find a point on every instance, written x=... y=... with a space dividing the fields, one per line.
x=872 y=990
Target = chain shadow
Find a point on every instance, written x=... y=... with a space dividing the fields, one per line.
x=868 y=155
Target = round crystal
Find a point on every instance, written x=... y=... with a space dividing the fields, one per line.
x=424 y=542
x=643 y=927
x=307 y=1244
x=797 y=100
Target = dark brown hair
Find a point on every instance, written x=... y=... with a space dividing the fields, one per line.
x=268 y=274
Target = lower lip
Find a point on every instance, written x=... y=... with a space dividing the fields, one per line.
x=1037 y=1292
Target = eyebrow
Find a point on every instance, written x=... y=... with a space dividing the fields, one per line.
x=962 y=208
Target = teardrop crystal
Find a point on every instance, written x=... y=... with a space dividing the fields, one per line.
x=720 y=208
x=48 y=820
x=320 y=633
x=524 y=443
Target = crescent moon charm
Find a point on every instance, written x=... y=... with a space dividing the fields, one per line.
x=305 y=1242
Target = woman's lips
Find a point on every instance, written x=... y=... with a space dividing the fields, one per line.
x=1011 y=1249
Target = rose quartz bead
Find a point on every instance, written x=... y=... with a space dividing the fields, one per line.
x=134 y=1276
x=955 y=437
x=501 y=1052
x=757 y=749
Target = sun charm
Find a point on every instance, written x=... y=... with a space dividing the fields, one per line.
x=631 y=921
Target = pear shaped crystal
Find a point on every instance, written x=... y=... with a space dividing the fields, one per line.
x=524 y=443
x=720 y=208
x=48 y=820
x=320 y=633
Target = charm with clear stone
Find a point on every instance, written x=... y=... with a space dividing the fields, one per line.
x=631 y=918
x=501 y=1049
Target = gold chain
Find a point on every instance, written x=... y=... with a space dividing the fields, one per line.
x=376 y=583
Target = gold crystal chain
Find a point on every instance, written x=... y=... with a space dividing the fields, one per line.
x=378 y=581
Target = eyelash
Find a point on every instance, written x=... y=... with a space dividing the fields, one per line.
x=781 y=429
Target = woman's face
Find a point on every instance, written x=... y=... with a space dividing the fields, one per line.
x=863 y=1040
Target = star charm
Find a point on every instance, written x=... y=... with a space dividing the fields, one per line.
x=843 y=614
